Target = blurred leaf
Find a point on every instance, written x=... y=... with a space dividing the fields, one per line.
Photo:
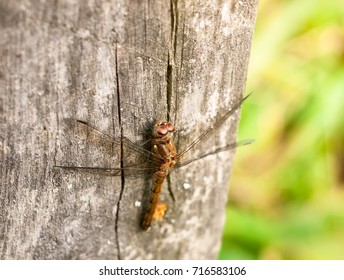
x=287 y=188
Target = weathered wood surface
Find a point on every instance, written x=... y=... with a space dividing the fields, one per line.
x=114 y=64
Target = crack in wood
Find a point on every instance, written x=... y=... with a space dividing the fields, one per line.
x=121 y=153
x=169 y=72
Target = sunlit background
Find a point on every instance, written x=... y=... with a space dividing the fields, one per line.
x=287 y=189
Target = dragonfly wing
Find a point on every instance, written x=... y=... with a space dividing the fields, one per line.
x=92 y=170
x=126 y=171
x=218 y=150
x=136 y=159
x=210 y=131
x=97 y=137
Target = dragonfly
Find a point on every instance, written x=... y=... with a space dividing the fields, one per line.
x=160 y=160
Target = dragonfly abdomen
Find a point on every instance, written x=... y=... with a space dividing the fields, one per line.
x=158 y=180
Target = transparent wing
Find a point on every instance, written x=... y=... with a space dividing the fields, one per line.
x=128 y=171
x=79 y=127
x=218 y=150
x=149 y=162
x=210 y=131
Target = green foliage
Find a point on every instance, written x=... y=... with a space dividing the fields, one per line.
x=287 y=188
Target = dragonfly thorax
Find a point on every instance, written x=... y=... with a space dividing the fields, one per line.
x=162 y=145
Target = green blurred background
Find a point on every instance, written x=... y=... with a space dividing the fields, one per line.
x=287 y=189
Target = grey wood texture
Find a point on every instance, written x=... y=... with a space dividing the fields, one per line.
x=117 y=65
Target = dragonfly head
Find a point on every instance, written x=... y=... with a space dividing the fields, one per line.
x=163 y=129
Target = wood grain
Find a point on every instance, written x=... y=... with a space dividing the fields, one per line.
x=117 y=65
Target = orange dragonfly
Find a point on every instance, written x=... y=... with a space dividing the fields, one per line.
x=162 y=157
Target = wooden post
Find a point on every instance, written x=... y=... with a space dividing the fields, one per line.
x=117 y=65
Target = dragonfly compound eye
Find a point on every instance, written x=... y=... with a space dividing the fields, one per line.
x=162 y=130
x=170 y=126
